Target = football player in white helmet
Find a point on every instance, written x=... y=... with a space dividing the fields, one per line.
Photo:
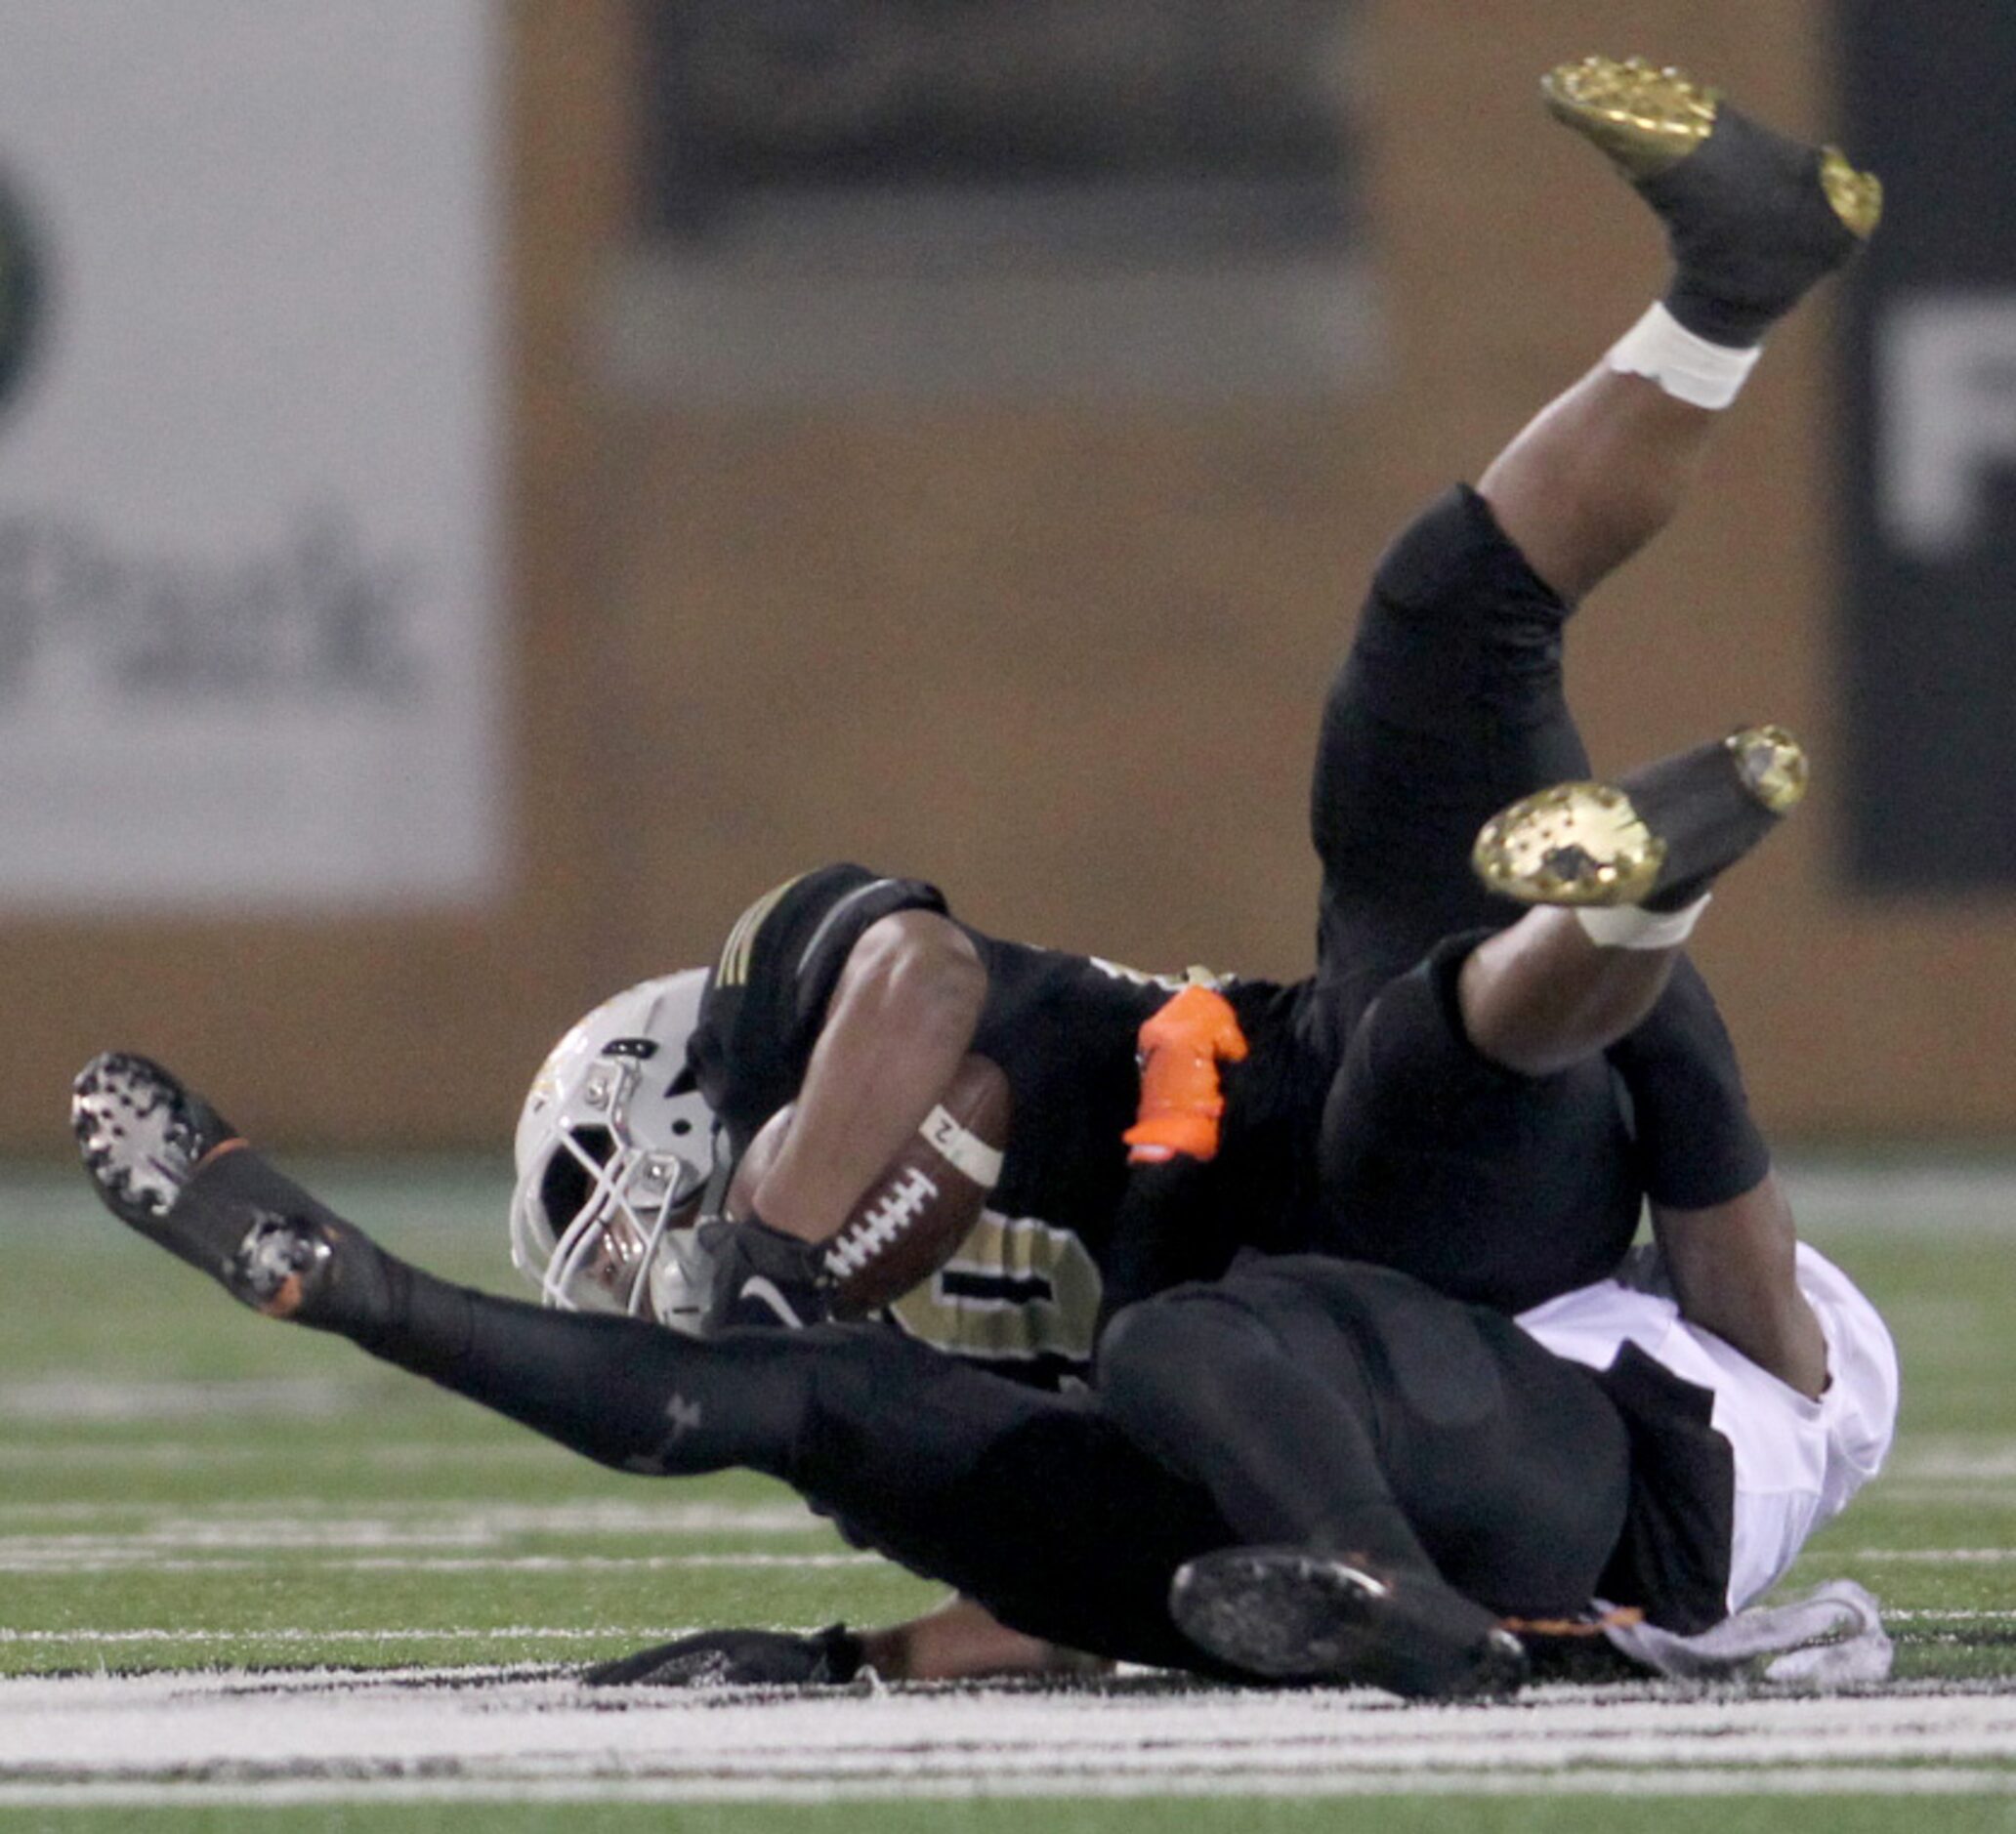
x=614 y=1149
x=1454 y=677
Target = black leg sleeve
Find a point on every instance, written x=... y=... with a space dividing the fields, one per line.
x=619 y=1391
x=1030 y=1502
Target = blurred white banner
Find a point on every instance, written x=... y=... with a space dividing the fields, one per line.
x=248 y=623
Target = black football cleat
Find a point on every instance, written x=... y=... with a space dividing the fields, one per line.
x=1654 y=838
x=1290 y=1614
x=142 y=1136
x=738 y=1658
x=165 y=1162
x=763 y=1278
x=1753 y=217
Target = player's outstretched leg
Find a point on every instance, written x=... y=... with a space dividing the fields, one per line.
x=616 y=1390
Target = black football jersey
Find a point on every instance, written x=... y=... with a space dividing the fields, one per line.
x=1022 y=1293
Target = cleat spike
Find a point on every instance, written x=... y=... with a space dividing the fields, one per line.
x=276 y=1264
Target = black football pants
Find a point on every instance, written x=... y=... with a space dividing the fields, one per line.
x=1492 y=1187
x=1432 y=1431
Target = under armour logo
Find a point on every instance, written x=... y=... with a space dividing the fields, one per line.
x=684 y=1416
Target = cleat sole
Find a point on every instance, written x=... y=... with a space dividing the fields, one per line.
x=1644 y=120
x=1291 y=1615
x=1576 y=844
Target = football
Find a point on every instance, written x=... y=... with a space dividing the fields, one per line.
x=921 y=1205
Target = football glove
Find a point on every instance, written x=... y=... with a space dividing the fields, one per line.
x=738 y=1658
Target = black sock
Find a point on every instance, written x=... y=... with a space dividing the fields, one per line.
x=1750 y=231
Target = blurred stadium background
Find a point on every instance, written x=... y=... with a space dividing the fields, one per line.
x=487 y=489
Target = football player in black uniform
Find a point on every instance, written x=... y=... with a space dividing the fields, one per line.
x=1311 y=1470
x=1492 y=1170
x=1500 y=1188
x=1501 y=1171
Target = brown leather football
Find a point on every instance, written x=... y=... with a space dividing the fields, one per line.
x=921 y=1205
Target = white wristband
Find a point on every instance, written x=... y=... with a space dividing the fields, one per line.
x=1686 y=367
x=1628 y=926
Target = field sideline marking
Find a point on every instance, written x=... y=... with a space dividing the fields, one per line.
x=572 y=1633
x=491 y=1734
x=1803 y=1780
x=508 y=1633
x=141 y=1559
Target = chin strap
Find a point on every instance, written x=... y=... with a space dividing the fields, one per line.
x=721 y=1173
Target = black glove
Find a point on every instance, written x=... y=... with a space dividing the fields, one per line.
x=738 y=1658
x=763 y=1278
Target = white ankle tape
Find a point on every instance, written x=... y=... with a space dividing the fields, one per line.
x=1688 y=368
x=1627 y=927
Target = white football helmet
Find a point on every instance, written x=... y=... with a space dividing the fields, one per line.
x=614 y=1149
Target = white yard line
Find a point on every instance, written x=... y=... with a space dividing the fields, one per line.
x=509 y=1633
x=101 y=1455
x=532 y=1633
x=1927 y=1557
x=1805 y=1780
x=96 y=1399
x=141 y=1560
x=422 y=1525
x=1951 y=1457
x=410 y=1735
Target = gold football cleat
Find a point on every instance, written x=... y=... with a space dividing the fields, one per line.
x=1575 y=844
x=1645 y=120
x=1661 y=833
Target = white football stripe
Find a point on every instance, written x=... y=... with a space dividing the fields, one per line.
x=964 y=1148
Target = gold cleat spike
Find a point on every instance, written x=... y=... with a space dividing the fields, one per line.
x=1772 y=764
x=1857 y=196
x=1575 y=844
x=1643 y=121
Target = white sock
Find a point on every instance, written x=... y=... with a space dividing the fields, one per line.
x=1630 y=927
x=1688 y=368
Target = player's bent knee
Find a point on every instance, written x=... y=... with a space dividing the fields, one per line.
x=1171 y=1357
